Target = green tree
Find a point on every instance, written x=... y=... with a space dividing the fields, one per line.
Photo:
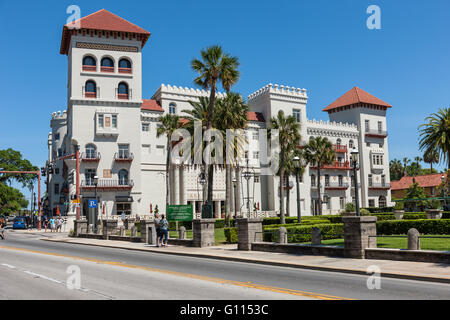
x=11 y=200
x=415 y=192
x=289 y=138
x=319 y=152
x=396 y=169
x=169 y=123
x=11 y=160
x=435 y=134
x=291 y=170
x=431 y=156
x=213 y=68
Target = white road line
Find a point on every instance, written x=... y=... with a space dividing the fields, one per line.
x=42 y=277
x=8 y=265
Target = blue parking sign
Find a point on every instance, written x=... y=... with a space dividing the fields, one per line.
x=92 y=203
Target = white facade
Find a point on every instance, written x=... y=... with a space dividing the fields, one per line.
x=118 y=143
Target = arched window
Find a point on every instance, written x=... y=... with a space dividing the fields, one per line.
x=107 y=65
x=172 y=108
x=90 y=89
x=123 y=177
x=350 y=144
x=382 y=201
x=338 y=142
x=91 y=151
x=122 y=91
x=89 y=64
x=124 y=66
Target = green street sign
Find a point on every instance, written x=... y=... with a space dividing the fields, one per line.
x=180 y=212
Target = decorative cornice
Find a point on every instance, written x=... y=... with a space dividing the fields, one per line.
x=280 y=90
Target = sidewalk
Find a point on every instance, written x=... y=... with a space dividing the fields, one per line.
x=396 y=269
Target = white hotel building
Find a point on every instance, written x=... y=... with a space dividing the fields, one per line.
x=115 y=129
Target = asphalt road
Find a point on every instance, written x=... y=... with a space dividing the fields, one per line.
x=31 y=269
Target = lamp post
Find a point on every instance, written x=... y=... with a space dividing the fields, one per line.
x=247 y=175
x=299 y=163
x=354 y=157
x=444 y=190
x=202 y=181
x=234 y=192
x=96 y=208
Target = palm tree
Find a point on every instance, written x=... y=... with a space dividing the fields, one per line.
x=396 y=169
x=319 y=152
x=289 y=138
x=169 y=123
x=291 y=170
x=231 y=113
x=435 y=134
x=431 y=156
x=214 y=66
x=405 y=165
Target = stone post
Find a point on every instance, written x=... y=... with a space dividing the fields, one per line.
x=109 y=228
x=79 y=227
x=148 y=232
x=356 y=235
x=122 y=231
x=203 y=231
x=129 y=223
x=282 y=236
x=182 y=233
x=413 y=239
x=316 y=237
x=90 y=229
x=99 y=230
x=133 y=231
x=249 y=231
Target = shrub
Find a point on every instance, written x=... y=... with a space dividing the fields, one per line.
x=297 y=234
x=231 y=235
x=364 y=212
x=399 y=206
x=303 y=223
x=350 y=207
x=426 y=226
x=378 y=210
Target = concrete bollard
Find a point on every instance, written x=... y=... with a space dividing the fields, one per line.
x=122 y=231
x=282 y=236
x=133 y=231
x=316 y=237
x=413 y=239
x=99 y=230
x=182 y=233
x=90 y=229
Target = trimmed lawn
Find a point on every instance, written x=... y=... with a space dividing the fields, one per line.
x=426 y=243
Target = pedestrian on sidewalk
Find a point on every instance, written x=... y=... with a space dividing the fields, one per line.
x=164 y=226
x=52 y=224
x=157 y=228
x=59 y=222
x=45 y=223
x=2 y=228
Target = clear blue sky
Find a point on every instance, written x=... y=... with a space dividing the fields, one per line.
x=323 y=46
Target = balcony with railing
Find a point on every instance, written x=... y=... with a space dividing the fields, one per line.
x=376 y=133
x=89 y=68
x=337 y=165
x=337 y=186
x=93 y=156
x=107 y=185
x=123 y=156
x=379 y=186
x=107 y=69
x=340 y=148
x=90 y=94
x=124 y=96
x=125 y=70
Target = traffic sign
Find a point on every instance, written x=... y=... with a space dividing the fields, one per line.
x=92 y=203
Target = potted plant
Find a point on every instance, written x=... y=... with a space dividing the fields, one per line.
x=350 y=210
x=434 y=209
x=398 y=210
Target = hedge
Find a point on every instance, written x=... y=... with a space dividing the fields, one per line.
x=299 y=234
x=304 y=222
x=425 y=226
x=231 y=235
x=378 y=210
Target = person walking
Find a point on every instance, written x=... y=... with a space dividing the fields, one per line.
x=164 y=226
x=2 y=228
x=157 y=228
x=52 y=224
x=45 y=223
x=59 y=222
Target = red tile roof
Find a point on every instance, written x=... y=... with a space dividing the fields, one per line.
x=355 y=96
x=429 y=180
x=105 y=21
x=255 y=116
x=151 y=105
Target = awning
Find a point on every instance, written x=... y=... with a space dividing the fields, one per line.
x=124 y=199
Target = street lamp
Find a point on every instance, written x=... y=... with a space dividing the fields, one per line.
x=235 y=204
x=299 y=163
x=202 y=180
x=96 y=208
x=354 y=158
x=444 y=191
x=247 y=175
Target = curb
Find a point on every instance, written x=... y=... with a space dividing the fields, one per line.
x=272 y=263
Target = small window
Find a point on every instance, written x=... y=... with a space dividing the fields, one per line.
x=255 y=135
x=123 y=177
x=146 y=127
x=172 y=108
x=255 y=155
x=122 y=91
x=367 y=125
x=124 y=66
x=114 y=121
x=107 y=65
x=56 y=170
x=371 y=203
x=341 y=203
x=257 y=179
x=89 y=64
x=350 y=144
x=380 y=127
x=90 y=89
x=101 y=121
x=297 y=114
x=56 y=136
x=327 y=180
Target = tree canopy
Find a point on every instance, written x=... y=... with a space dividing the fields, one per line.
x=11 y=160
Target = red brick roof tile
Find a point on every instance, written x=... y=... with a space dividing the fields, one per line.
x=429 y=180
x=105 y=21
x=255 y=116
x=354 y=96
x=151 y=105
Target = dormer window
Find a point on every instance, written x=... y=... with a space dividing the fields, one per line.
x=124 y=66
x=107 y=65
x=89 y=64
x=90 y=89
x=122 y=91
